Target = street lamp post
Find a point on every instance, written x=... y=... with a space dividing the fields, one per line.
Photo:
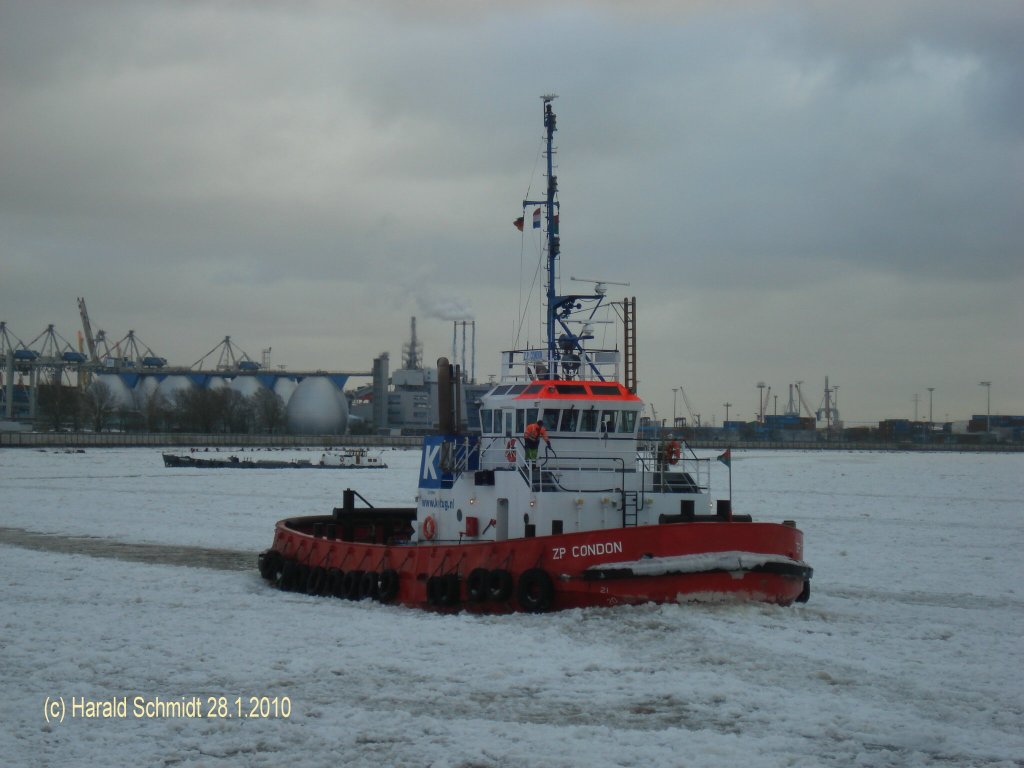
x=674 y=391
x=760 y=400
x=727 y=406
x=930 y=390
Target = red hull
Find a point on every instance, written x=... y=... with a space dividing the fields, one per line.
x=595 y=568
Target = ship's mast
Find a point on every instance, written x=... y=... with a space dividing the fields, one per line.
x=562 y=342
x=551 y=220
x=552 y=227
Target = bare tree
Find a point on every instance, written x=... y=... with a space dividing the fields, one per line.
x=100 y=404
x=270 y=411
x=236 y=411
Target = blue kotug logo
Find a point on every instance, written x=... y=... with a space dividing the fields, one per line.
x=444 y=457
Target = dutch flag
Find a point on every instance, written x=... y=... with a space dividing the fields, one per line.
x=536 y=219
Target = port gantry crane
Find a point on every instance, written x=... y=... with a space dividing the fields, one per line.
x=694 y=417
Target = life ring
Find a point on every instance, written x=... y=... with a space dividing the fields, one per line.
x=672 y=452
x=536 y=591
x=510 y=451
x=429 y=528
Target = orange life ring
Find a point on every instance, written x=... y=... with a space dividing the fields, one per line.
x=510 y=451
x=672 y=452
x=429 y=527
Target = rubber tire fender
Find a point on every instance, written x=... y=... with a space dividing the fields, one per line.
x=387 y=587
x=301 y=577
x=315 y=582
x=435 y=590
x=369 y=585
x=286 y=575
x=476 y=585
x=536 y=591
x=335 y=577
x=805 y=595
x=350 y=584
x=263 y=563
x=452 y=590
x=499 y=585
x=270 y=564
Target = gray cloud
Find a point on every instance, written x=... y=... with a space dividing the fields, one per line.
x=846 y=179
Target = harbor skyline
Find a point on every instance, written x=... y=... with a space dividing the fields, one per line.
x=790 y=192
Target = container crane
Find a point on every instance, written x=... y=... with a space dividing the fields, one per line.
x=87 y=328
x=694 y=417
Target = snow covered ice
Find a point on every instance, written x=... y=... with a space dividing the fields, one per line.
x=908 y=653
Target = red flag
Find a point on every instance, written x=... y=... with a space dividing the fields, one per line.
x=726 y=458
x=518 y=223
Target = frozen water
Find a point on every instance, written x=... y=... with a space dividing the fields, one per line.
x=908 y=654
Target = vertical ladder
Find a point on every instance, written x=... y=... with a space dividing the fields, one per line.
x=629 y=509
x=629 y=342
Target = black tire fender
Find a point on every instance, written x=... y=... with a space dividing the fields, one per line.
x=301 y=577
x=805 y=595
x=335 y=582
x=476 y=585
x=315 y=582
x=286 y=576
x=387 y=587
x=350 y=584
x=499 y=585
x=452 y=590
x=536 y=591
x=368 y=585
x=435 y=590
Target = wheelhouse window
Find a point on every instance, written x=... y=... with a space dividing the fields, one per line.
x=589 y=420
x=608 y=420
x=627 y=422
x=604 y=389
x=551 y=416
x=486 y=421
x=570 y=417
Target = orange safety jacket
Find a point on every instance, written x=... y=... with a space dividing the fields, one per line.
x=533 y=434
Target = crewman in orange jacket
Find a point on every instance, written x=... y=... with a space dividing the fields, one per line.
x=532 y=436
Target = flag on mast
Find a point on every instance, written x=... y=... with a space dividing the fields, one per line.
x=518 y=223
x=726 y=458
x=536 y=219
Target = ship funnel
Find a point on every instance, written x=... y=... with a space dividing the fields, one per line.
x=449 y=397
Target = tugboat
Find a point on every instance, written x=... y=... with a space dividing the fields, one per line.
x=602 y=519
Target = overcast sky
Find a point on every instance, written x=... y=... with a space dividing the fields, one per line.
x=792 y=189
